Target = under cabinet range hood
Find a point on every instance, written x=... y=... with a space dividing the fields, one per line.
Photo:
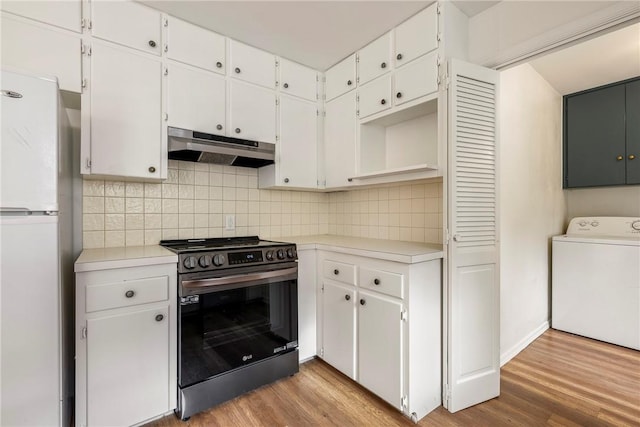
x=202 y=147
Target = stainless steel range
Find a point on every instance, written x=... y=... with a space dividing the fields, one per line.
x=237 y=318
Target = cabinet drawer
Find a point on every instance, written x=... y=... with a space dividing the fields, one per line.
x=417 y=79
x=252 y=65
x=382 y=281
x=375 y=96
x=375 y=59
x=127 y=293
x=345 y=273
x=341 y=78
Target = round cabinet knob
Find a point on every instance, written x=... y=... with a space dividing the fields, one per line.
x=383 y=101
x=286 y=180
x=152 y=43
x=204 y=261
x=376 y=281
x=280 y=254
x=336 y=271
x=152 y=169
x=159 y=318
x=218 y=260
x=129 y=294
x=286 y=85
x=269 y=256
x=237 y=70
x=219 y=127
x=383 y=65
x=347 y=297
x=619 y=158
x=631 y=157
x=291 y=253
x=399 y=56
x=399 y=95
x=190 y=262
x=635 y=225
x=238 y=130
x=362 y=302
x=349 y=83
x=219 y=64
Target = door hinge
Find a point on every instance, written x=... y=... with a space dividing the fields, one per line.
x=322 y=352
x=403 y=315
x=357 y=80
x=85 y=23
x=84 y=83
x=357 y=97
x=88 y=162
x=322 y=288
x=439 y=61
x=447 y=236
x=357 y=113
x=82 y=49
x=439 y=36
x=324 y=113
x=84 y=333
x=166 y=22
x=277 y=62
x=277 y=138
x=166 y=117
x=357 y=58
x=166 y=48
x=277 y=83
x=317 y=112
x=439 y=9
x=166 y=71
x=446 y=393
x=404 y=401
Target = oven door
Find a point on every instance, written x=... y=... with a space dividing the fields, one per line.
x=231 y=321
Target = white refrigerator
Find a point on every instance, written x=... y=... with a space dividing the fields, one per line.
x=36 y=276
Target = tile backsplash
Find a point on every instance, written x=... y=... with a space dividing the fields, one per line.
x=195 y=199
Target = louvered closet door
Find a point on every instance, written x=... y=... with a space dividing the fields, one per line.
x=473 y=330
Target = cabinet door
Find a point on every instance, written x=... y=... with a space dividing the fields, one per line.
x=195 y=46
x=127 y=23
x=417 y=35
x=380 y=360
x=196 y=100
x=65 y=14
x=338 y=328
x=252 y=112
x=127 y=353
x=297 y=145
x=375 y=97
x=341 y=78
x=252 y=65
x=298 y=80
x=595 y=138
x=633 y=132
x=42 y=51
x=340 y=140
x=417 y=79
x=125 y=113
x=307 y=304
x=375 y=59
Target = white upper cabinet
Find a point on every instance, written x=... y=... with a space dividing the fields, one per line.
x=64 y=14
x=375 y=59
x=375 y=96
x=195 y=46
x=252 y=65
x=417 y=79
x=417 y=35
x=42 y=51
x=196 y=100
x=125 y=132
x=298 y=80
x=340 y=140
x=297 y=145
x=341 y=77
x=127 y=23
x=252 y=112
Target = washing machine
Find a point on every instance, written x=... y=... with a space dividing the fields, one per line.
x=596 y=280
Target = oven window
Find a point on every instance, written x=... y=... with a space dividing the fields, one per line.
x=224 y=330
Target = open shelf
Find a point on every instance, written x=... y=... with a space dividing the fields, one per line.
x=398 y=171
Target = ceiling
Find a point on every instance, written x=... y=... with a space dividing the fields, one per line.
x=315 y=33
x=608 y=58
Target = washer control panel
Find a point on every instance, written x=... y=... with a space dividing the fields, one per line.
x=615 y=226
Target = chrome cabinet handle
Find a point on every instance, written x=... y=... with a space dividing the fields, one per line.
x=286 y=180
x=129 y=294
x=238 y=130
x=219 y=127
x=152 y=169
x=219 y=64
x=286 y=85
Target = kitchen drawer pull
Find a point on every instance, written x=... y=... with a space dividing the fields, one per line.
x=219 y=64
x=286 y=85
x=383 y=101
x=336 y=271
x=129 y=294
x=152 y=169
x=152 y=43
x=159 y=318
x=399 y=95
x=376 y=281
x=219 y=127
x=619 y=158
x=347 y=297
x=383 y=65
x=349 y=83
x=362 y=301
x=237 y=70
x=631 y=157
x=399 y=57
x=238 y=130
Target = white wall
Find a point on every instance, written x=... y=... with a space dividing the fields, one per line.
x=532 y=205
x=604 y=201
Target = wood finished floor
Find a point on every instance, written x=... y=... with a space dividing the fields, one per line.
x=559 y=380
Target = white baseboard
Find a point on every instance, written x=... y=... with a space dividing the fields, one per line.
x=523 y=343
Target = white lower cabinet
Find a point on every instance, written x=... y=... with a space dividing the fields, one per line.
x=382 y=327
x=126 y=345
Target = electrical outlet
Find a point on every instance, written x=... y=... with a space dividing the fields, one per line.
x=230 y=222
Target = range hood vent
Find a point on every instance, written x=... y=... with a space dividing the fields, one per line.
x=202 y=147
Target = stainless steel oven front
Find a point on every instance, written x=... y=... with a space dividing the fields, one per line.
x=238 y=330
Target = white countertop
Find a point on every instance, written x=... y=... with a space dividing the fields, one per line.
x=391 y=250
x=130 y=256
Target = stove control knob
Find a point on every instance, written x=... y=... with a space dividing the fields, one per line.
x=636 y=225
x=190 y=262
x=204 y=261
x=218 y=260
x=280 y=254
x=269 y=256
x=291 y=253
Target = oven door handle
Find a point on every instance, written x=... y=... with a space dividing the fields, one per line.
x=202 y=284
